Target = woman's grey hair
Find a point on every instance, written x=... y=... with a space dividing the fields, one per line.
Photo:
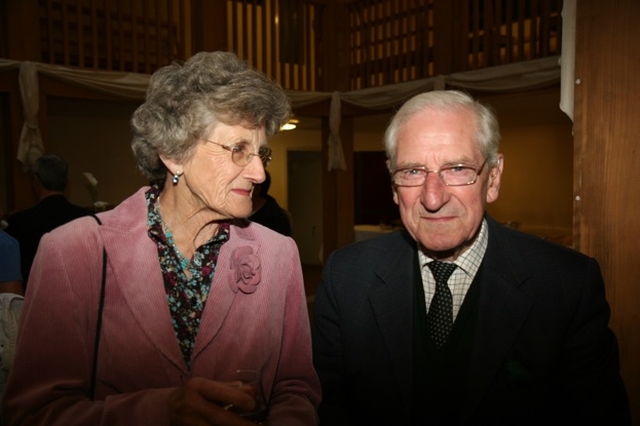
x=184 y=102
x=487 y=129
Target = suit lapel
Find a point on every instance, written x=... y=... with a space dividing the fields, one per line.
x=391 y=299
x=502 y=310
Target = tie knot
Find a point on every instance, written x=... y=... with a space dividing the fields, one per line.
x=441 y=270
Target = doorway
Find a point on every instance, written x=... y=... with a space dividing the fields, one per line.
x=304 y=171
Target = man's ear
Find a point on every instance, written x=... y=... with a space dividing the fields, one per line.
x=394 y=189
x=495 y=174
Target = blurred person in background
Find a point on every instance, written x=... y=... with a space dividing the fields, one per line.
x=10 y=271
x=267 y=211
x=11 y=301
x=50 y=175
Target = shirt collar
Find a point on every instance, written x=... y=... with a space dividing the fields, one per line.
x=469 y=261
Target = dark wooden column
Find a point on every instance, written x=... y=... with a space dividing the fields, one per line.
x=209 y=25
x=337 y=191
x=14 y=180
x=337 y=185
x=450 y=41
x=23 y=44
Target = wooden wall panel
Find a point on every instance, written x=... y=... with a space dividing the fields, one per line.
x=607 y=158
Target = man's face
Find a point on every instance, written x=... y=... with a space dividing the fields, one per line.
x=444 y=219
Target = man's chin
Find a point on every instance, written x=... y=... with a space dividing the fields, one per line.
x=439 y=248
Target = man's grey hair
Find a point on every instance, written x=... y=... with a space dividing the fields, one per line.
x=487 y=129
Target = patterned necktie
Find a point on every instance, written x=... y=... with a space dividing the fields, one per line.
x=440 y=316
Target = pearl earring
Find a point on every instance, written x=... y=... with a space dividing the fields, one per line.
x=176 y=177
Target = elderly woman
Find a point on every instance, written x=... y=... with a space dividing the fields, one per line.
x=191 y=291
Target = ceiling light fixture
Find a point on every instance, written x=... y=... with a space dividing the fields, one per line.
x=290 y=125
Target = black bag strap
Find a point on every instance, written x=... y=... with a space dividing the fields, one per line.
x=96 y=343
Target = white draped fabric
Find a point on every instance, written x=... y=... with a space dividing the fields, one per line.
x=30 y=147
x=336 y=154
x=568 y=58
x=501 y=79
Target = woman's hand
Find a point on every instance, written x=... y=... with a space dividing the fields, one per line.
x=205 y=402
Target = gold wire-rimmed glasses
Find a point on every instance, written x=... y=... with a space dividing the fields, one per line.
x=241 y=156
x=456 y=175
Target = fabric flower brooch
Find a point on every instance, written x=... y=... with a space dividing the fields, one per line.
x=247 y=270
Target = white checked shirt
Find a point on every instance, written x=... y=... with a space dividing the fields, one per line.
x=462 y=277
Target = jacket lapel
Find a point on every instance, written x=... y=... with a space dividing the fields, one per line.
x=124 y=231
x=221 y=290
x=503 y=309
x=138 y=278
x=391 y=299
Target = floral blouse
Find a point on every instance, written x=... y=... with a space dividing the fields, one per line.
x=186 y=296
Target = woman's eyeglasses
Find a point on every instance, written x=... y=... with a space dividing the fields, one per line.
x=241 y=156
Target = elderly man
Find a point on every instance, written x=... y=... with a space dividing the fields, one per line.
x=457 y=320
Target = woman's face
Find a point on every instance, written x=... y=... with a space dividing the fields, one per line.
x=213 y=179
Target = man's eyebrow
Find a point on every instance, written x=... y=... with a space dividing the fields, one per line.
x=457 y=162
x=408 y=165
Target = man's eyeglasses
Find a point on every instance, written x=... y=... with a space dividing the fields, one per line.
x=458 y=175
x=241 y=156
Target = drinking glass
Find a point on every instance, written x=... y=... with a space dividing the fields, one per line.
x=250 y=382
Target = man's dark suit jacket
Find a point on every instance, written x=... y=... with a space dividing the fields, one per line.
x=542 y=352
x=29 y=225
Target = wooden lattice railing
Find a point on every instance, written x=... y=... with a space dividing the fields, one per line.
x=390 y=41
x=278 y=37
x=403 y=40
x=132 y=35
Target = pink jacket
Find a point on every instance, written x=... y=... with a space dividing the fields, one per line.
x=245 y=325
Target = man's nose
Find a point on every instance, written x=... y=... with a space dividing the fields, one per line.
x=434 y=191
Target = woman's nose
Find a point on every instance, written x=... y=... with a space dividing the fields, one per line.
x=255 y=169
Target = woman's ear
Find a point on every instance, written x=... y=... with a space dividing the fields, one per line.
x=172 y=166
x=493 y=186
